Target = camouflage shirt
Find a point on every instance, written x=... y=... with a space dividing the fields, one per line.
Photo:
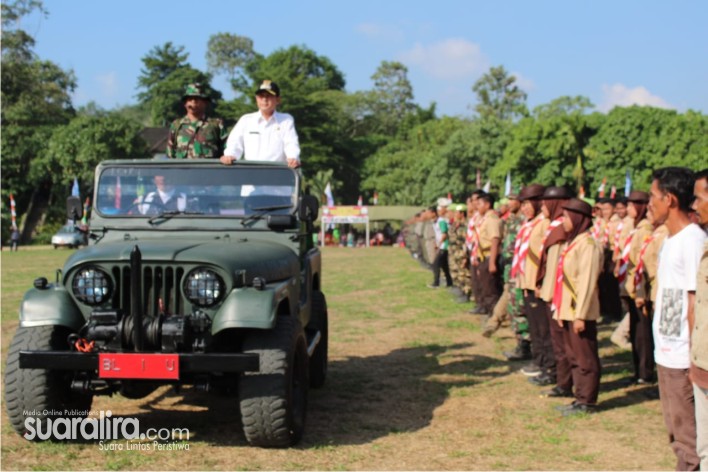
x=511 y=229
x=201 y=139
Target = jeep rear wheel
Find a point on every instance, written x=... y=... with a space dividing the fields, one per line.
x=39 y=393
x=319 y=322
x=273 y=401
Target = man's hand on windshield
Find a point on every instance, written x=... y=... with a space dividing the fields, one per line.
x=227 y=160
x=293 y=163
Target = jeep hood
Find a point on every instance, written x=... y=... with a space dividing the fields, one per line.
x=266 y=259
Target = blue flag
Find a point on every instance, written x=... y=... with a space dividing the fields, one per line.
x=75 y=188
x=627 y=184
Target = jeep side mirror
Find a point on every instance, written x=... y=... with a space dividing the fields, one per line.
x=309 y=206
x=281 y=222
x=74 y=209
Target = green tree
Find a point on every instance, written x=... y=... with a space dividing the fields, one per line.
x=642 y=139
x=36 y=98
x=411 y=169
x=163 y=80
x=230 y=54
x=548 y=147
x=391 y=100
x=499 y=96
x=74 y=150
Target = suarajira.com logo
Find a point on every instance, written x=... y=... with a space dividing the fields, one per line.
x=71 y=425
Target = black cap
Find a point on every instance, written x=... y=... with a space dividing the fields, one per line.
x=270 y=87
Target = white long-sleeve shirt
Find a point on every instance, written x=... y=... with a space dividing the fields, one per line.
x=258 y=139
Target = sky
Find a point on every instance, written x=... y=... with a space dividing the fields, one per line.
x=616 y=53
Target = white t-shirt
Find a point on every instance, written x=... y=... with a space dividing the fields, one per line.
x=258 y=139
x=679 y=258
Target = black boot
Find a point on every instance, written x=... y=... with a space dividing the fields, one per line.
x=522 y=352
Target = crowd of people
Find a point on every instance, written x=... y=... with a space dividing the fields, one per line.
x=554 y=266
x=551 y=264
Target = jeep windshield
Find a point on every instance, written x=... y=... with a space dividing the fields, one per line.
x=162 y=190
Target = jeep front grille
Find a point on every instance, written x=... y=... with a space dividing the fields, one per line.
x=158 y=283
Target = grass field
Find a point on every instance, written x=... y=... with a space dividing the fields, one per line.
x=412 y=386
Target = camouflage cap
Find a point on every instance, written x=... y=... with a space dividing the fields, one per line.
x=195 y=90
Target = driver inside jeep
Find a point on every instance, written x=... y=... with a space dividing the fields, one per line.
x=164 y=198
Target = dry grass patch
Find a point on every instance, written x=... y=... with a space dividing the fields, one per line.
x=412 y=386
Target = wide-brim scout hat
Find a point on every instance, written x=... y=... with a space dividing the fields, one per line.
x=532 y=192
x=557 y=193
x=444 y=202
x=268 y=86
x=578 y=206
x=637 y=196
x=195 y=90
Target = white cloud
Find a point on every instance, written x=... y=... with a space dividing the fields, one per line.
x=623 y=96
x=450 y=59
x=378 y=31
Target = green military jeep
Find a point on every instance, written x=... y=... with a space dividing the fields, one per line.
x=196 y=274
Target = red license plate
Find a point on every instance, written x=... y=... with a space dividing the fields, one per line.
x=138 y=366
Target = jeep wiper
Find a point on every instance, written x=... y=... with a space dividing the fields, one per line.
x=166 y=215
x=260 y=211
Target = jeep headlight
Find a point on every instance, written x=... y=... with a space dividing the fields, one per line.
x=92 y=286
x=203 y=287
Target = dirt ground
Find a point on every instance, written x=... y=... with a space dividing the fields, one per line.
x=412 y=386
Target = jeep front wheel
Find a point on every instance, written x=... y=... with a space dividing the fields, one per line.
x=38 y=393
x=273 y=400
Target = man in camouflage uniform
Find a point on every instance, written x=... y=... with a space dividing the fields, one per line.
x=457 y=252
x=512 y=298
x=195 y=136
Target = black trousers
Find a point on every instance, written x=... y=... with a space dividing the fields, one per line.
x=642 y=338
x=441 y=262
x=564 y=371
x=539 y=329
x=610 y=305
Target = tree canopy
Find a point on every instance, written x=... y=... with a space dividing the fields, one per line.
x=373 y=140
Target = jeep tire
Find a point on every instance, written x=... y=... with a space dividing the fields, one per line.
x=273 y=401
x=319 y=322
x=28 y=390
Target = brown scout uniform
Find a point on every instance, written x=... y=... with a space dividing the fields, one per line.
x=581 y=269
x=489 y=227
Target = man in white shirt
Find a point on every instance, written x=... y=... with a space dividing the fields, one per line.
x=164 y=198
x=679 y=258
x=265 y=135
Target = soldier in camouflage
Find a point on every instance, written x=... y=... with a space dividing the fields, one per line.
x=511 y=300
x=194 y=136
x=457 y=233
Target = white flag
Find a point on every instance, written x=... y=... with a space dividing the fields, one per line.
x=328 y=193
x=487 y=186
x=507 y=184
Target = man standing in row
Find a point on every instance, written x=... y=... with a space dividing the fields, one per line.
x=195 y=136
x=699 y=335
x=265 y=135
x=671 y=196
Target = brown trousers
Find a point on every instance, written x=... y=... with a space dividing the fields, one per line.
x=541 y=345
x=581 y=350
x=564 y=372
x=489 y=286
x=677 y=404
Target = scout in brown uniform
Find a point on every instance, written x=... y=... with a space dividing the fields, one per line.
x=609 y=287
x=640 y=334
x=577 y=304
x=529 y=259
x=558 y=372
x=486 y=260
